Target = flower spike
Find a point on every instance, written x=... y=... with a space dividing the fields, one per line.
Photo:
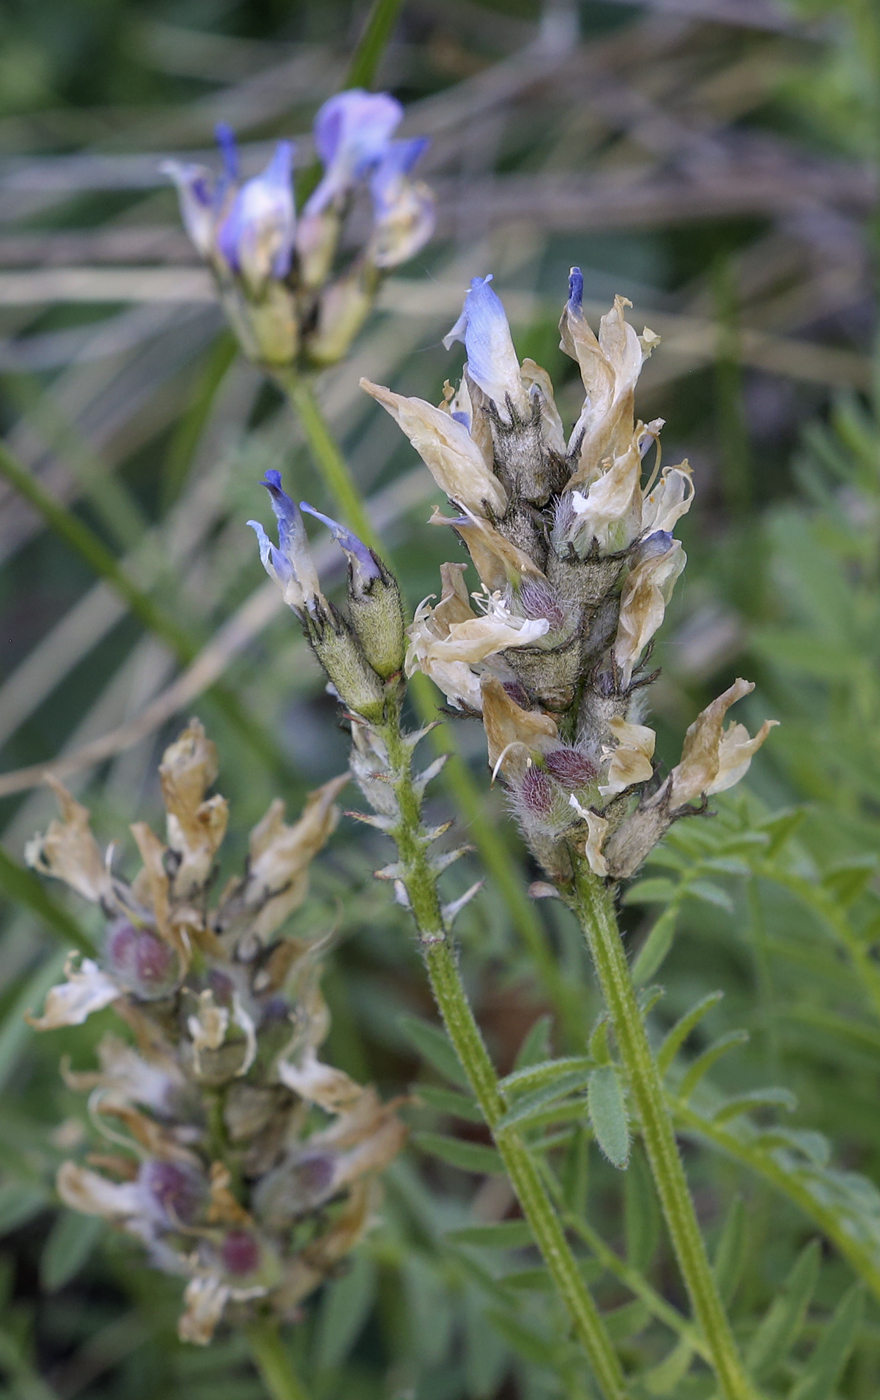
x=289 y=295
x=230 y=1213
x=576 y=554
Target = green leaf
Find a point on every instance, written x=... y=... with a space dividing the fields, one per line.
x=530 y=1345
x=729 y=865
x=847 y=882
x=731 y=1251
x=536 y=1043
x=345 y=1307
x=448 y=1101
x=825 y=1366
x=648 y=998
x=557 y=1088
x=756 y=1098
x=433 y=1045
x=655 y=947
x=781 y=826
x=608 y=1114
x=782 y=1323
x=665 y=1377
x=22 y=887
x=503 y=1234
x=599 y=1041
x=679 y=1033
x=627 y=1321
x=18 y=1204
x=535 y=1280
x=711 y=893
x=16 y=1030
x=815 y=1146
x=703 y=1063
x=657 y=890
x=372 y=44
x=67 y=1248
x=641 y=1214
x=468 y=1156
x=535 y=1076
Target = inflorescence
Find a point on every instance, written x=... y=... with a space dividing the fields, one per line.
x=289 y=295
x=240 y=1160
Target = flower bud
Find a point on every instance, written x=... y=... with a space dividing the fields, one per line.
x=342 y=309
x=256 y=237
x=265 y=327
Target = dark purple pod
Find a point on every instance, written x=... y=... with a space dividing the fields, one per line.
x=120 y=945
x=222 y=986
x=178 y=1191
x=570 y=767
x=240 y=1252
x=537 y=791
x=156 y=967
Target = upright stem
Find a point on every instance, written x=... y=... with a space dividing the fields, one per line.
x=451 y=997
x=492 y=847
x=592 y=902
x=273 y=1363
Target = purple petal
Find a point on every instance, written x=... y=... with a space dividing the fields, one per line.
x=256 y=237
x=352 y=132
x=199 y=196
x=397 y=162
x=403 y=208
x=228 y=148
x=362 y=561
x=575 y=289
x=491 y=358
x=273 y=561
x=654 y=545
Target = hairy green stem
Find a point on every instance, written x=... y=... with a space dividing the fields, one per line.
x=273 y=1363
x=593 y=903
x=440 y=959
x=493 y=849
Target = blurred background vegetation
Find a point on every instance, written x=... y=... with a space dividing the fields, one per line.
x=717 y=162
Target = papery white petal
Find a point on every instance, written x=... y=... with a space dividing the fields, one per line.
x=631 y=759
x=597 y=828
x=87 y=989
x=447 y=449
x=670 y=499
